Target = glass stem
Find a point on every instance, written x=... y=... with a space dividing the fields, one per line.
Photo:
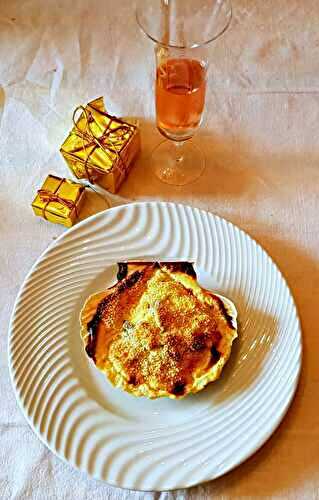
x=179 y=151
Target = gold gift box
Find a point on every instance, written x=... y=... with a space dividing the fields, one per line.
x=59 y=200
x=101 y=147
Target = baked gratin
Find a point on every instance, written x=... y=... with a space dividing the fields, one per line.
x=157 y=332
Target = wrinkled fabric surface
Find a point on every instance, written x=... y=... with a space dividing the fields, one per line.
x=261 y=141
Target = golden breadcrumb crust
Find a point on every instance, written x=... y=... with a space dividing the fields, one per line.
x=157 y=332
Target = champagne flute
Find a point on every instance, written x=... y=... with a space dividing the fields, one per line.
x=182 y=31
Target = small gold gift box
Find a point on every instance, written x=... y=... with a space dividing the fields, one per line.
x=101 y=147
x=59 y=200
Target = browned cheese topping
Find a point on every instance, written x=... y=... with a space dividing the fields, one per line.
x=158 y=327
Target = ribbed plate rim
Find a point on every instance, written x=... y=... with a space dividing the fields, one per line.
x=66 y=234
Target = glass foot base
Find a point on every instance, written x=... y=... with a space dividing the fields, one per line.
x=177 y=163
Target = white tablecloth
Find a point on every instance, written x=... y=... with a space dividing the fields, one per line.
x=261 y=141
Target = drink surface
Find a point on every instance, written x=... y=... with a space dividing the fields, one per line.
x=180 y=97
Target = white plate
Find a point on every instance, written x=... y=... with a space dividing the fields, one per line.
x=134 y=442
